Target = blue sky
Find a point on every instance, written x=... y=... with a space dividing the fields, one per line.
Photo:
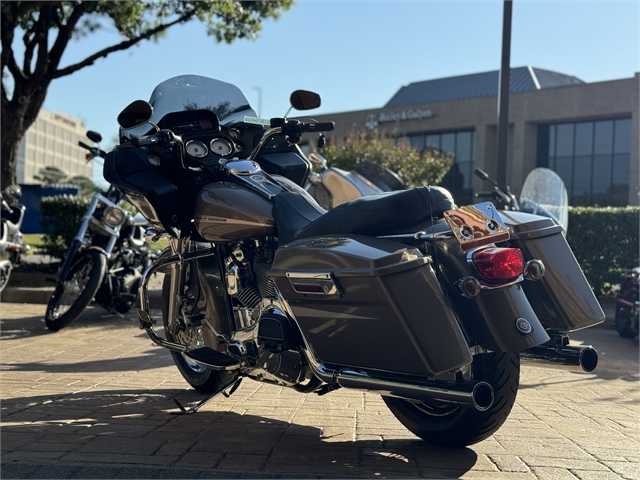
x=356 y=54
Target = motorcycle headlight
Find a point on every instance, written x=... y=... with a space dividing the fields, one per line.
x=113 y=217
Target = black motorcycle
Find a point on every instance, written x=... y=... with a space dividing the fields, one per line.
x=11 y=245
x=627 y=318
x=105 y=261
x=434 y=307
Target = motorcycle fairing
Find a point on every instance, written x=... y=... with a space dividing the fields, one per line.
x=387 y=312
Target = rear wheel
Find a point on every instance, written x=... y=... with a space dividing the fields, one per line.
x=454 y=426
x=202 y=379
x=72 y=295
x=627 y=321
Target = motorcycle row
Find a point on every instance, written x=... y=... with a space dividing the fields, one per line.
x=330 y=280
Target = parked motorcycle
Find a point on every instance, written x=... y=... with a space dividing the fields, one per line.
x=401 y=293
x=543 y=193
x=11 y=245
x=334 y=186
x=105 y=260
x=628 y=305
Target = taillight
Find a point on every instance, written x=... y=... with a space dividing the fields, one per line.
x=499 y=265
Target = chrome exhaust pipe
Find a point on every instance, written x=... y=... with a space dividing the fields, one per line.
x=569 y=357
x=477 y=395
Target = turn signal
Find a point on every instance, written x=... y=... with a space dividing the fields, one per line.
x=498 y=265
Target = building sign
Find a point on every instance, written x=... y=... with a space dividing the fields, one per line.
x=374 y=119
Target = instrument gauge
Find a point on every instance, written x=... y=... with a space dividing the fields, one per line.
x=234 y=133
x=196 y=149
x=221 y=147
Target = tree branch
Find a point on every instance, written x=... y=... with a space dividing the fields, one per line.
x=120 y=46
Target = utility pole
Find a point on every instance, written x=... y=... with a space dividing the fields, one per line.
x=503 y=95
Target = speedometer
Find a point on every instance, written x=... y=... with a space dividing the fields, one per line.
x=221 y=147
x=196 y=149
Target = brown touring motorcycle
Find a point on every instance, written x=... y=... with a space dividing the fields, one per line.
x=434 y=307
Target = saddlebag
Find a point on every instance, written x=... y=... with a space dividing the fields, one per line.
x=370 y=303
x=562 y=300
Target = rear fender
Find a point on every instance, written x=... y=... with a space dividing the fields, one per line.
x=498 y=319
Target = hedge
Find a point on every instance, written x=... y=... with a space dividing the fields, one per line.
x=605 y=243
x=61 y=218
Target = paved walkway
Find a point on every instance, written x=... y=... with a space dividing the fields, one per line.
x=95 y=400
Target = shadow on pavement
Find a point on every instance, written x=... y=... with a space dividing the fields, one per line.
x=112 y=428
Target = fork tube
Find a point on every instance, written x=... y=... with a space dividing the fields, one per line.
x=178 y=246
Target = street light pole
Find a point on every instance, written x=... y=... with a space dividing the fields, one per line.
x=259 y=89
x=503 y=95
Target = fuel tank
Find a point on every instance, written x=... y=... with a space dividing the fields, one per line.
x=224 y=212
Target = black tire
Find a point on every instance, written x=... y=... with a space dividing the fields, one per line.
x=452 y=426
x=201 y=379
x=5 y=273
x=71 y=297
x=625 y=322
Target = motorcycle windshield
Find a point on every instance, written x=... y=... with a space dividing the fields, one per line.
x=544 y=193
x=193 y=92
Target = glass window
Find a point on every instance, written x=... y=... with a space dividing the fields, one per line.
x=463 y=147
x=603 y=137
x=564 y=166
x=448 y=142
x=584 y=138
x=564 y=140
x=620 y=181
x=622 y=143
x=582 y=180
x=582 y=153
x=417 y=142
x=433 y=141
x=601 y=174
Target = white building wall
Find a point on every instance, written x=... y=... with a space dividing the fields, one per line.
x=52 y=140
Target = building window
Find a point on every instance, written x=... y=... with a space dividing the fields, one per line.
x=591 y=157
x=460 y=144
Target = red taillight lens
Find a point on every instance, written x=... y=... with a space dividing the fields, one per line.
x=499 y=264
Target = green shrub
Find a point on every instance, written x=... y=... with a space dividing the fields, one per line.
x=413 y=168
x=61 y=218
x=605 y=243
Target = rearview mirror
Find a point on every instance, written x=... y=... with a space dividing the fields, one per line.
x=135 y=114
x=94 y=136
x=304 y=100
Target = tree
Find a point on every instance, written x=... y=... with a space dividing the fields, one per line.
x=414 y=168
x=85 y=184
x=50 y=175
x=47 y=26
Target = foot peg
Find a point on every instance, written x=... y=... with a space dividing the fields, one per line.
x=209 y=358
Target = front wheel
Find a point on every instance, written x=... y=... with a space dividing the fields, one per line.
x=201 y=379
x=72 y=295
x=454 y=426
x=5 y=273
x=627 y=321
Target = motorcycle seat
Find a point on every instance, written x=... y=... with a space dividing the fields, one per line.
x=392 y=213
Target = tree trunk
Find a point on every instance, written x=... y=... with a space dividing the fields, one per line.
x=17 y=116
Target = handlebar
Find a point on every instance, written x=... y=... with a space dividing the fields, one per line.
x=96 y=152
x=318 y=127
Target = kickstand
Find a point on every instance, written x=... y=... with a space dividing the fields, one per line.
x=233 y=386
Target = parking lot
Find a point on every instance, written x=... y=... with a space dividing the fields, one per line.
x=95 y=400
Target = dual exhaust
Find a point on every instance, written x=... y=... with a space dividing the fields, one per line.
x=568 y=357
x=474 y=395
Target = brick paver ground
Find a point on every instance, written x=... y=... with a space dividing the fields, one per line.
x=95 y=401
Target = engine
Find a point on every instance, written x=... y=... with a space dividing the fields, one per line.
x=272 y=339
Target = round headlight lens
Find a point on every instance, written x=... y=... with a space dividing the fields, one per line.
x=113 y=217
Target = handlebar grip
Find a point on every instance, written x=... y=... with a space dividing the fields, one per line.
x=84 y=145
x=484 y=194
x=318 y=127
